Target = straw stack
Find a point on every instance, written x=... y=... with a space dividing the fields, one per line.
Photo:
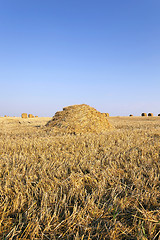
x=24 y=115
x=30 y=116
x=106 y=114
x=78 y=119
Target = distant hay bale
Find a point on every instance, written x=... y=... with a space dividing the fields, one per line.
x=106 y=114
x=150 y=114
x=36 y=116
x=24 y=115
x=144 y=114
x=5 y=115
x=158 y=114
x=77 y=119
x=130 y=115
x=30 y=116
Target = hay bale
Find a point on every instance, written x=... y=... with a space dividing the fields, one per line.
x=77 y=119
x=30 y=116
x=24 y=115
x=106 y=114
x=5 y=115
x=130 y=115
x=144 y=114
x=36 y=116
x=158 y=114
x=150 y=114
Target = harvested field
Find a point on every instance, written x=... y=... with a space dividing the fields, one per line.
x=90 y=186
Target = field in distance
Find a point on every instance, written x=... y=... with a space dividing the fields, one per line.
x=89 y=186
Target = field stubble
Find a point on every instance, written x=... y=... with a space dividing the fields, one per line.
x=89 y=186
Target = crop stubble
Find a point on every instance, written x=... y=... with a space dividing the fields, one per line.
x=88 y=186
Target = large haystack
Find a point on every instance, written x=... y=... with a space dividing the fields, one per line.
x=79 y=119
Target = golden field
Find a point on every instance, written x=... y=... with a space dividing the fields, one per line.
x=89 y=186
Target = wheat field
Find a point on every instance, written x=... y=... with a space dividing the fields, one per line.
x=89 y=186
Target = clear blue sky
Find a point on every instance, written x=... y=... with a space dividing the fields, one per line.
x=55 y=53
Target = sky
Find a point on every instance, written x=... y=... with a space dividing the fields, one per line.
x=56 y=53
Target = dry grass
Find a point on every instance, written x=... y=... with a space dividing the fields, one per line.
x=88 y=186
